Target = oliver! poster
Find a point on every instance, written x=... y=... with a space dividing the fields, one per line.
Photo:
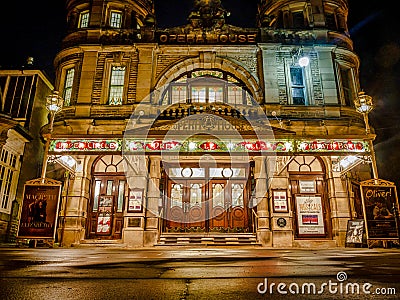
x=378 y=201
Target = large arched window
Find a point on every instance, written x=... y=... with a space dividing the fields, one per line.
x=206 y=86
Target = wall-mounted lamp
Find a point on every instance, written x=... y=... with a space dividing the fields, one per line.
x=304 y=61
x=54 y=104
x=364 y=105
x=298 y=56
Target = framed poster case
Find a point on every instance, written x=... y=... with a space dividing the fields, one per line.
x=307 y=186
x=310 y=217
x=135 y=200
x=104 y=215
x=280 y=201
x=379 y=199
x=39 y=210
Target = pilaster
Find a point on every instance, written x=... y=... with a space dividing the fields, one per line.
x=134 y=222
x=263 y=226
x=75 y=202
x=153 y=196
x=338 y=199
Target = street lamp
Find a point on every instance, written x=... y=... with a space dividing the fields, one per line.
x=54 y=104
x=364 y=106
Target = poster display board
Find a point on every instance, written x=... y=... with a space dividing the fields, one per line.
x=307 y=186
x=280 y=201
x=39 y=212
x=310 y=218
x=379 y=198
x=104 y=214
x=355 y=230
x=135 y=200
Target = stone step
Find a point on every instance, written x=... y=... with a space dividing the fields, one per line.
x=100 y=243
x=208 y=239
x=315 y=244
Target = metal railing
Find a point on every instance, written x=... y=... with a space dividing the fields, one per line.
x=255 y=221
x=160 y=222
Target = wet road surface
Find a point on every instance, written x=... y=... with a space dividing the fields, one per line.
x=199 y=273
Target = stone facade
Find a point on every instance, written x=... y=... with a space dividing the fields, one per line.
x=312 y=103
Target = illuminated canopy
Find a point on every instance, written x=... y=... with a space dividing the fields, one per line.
x=198 y=145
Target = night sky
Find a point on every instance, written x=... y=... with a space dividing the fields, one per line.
x=37 y=30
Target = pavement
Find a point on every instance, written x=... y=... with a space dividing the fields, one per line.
x=199 y=272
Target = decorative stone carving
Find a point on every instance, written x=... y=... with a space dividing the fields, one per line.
x=207 y=14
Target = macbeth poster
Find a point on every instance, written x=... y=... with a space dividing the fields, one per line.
x=378 y=202
x=39 y=211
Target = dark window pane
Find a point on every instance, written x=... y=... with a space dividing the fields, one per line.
x=26 y=94
x=10 y=95
x=279 y=20
x=296 y=76
x=345 y=75
x=298 y=96
x=31 y=99
x=3 y=80
x=298 y=19
x=18 y=97
x=330 y=21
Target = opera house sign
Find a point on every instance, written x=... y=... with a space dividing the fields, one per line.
x=207 y=38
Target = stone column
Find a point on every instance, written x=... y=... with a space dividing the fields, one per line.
x=75 y=202
x=134 y=222
x=281 y=222
x=153 y=196
x=263 y=226
x=339 y=202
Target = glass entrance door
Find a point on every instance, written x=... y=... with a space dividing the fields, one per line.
x=196 y=205
x=106 y=207
x=186 y=205
x=218 y=205
x=228 y=206
x=218 y=202
x=238 y=206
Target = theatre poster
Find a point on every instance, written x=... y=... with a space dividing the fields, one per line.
x=309 y=212
x=39 y=211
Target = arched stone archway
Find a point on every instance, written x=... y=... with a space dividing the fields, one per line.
x=209 y=60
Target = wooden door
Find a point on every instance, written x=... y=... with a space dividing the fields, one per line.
x=228 y=208
x=175 y=213
x=185 y=205
x=195 y=204
x=106 y=207
x=218 y=204
x=238 y=206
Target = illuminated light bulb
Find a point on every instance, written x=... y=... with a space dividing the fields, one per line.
x=304 y=61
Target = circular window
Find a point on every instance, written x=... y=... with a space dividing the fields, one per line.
x=187 y=172
x=227 y=172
